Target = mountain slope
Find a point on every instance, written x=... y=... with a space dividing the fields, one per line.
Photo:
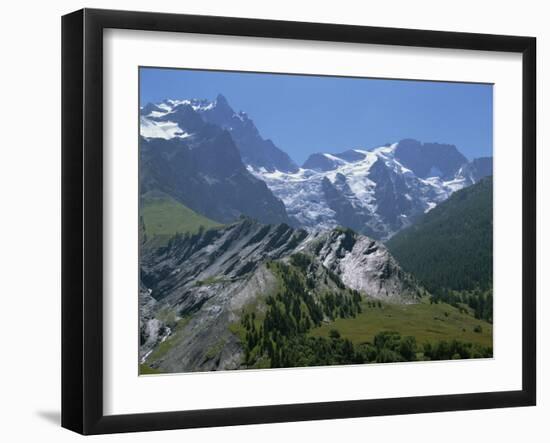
x=426 y=322
x=430 y=159
x=452 y=245
x=255 y=150
x=199 y=285
x=477 y=169
x=163 y=217
x=198 y=164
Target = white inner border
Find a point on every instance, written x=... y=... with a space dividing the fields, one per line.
x=125 y=392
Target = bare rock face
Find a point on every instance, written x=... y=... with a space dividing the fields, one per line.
x=149 y=327
x=207 y=343
x=198 y=285
x=365 y=265
x=370 y=268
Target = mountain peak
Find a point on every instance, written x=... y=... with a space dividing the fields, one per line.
x=423 y=158
x=221 y=100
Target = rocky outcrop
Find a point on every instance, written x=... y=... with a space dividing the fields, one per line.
x=365 y=265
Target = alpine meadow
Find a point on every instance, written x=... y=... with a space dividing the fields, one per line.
x=351 y=222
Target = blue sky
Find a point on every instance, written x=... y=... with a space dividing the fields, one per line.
x=307 y=114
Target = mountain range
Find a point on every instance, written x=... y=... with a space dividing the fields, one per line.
x=247 y=259
x=214 y=161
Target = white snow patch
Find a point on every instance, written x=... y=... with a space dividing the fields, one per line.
x=431 y=205
x=158 y=114
x=335 y=159
x=160 y=129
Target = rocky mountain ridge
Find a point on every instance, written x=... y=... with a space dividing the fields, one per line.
x=193 y=289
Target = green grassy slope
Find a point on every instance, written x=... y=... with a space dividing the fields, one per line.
x=428 y=323
x=163 y=217
x=452 y=245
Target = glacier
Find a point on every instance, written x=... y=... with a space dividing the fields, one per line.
x=305 y=200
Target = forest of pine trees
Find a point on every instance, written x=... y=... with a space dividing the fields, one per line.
x=450 y=249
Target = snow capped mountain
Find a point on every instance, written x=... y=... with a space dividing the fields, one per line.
x=376 y=192
x=166 y=120
x=371 y=191
x=199 y=165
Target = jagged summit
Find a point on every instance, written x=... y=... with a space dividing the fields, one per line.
x=168 y=120
x=221 y=100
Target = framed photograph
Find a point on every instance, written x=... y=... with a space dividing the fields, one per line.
x=269 y=221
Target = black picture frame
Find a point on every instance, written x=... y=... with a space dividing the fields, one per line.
x=82 y=215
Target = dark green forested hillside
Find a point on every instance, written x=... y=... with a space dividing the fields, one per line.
x=451 y=247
